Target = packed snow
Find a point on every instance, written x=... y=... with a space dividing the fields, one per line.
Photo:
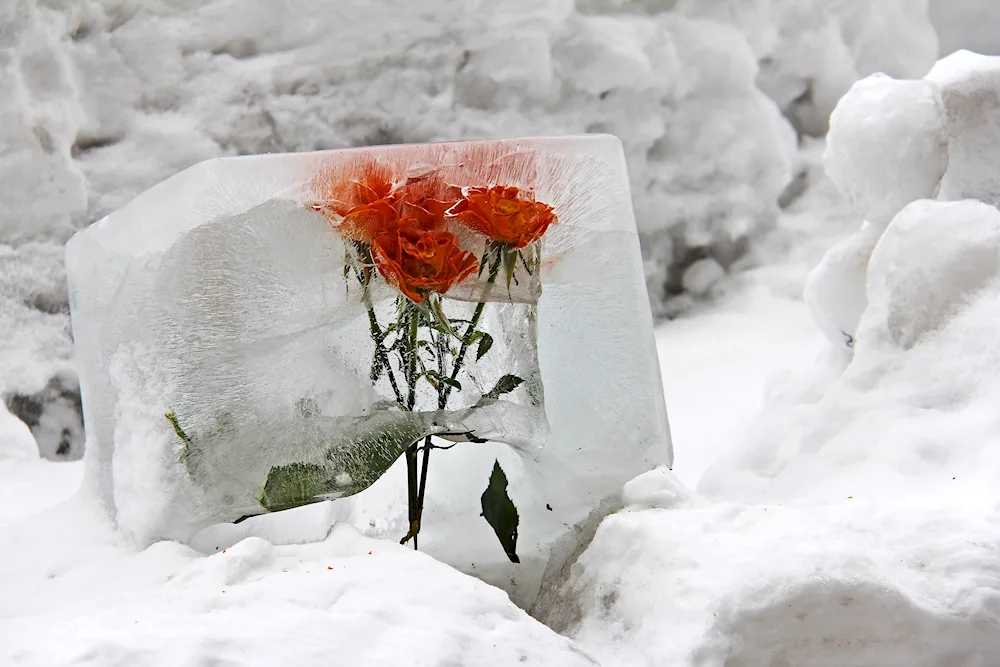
x=833 y=499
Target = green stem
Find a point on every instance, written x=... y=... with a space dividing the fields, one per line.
x=473 y=323
x=379 y=337
x=417 y=490
x=412 y=330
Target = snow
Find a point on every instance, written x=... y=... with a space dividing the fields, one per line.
x=811 y=51
x=888 y=145
x=857 y=550
x=967 y=24
x=969 y=89
x=846 y=505
x=83 y=598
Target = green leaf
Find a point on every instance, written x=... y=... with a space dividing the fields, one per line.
x=500 y=512
x=441 y=317
x=172 y=418
x=527 y=267
x=485 y=343
x=509 y=264
x=505 y=385
x=294 y=485
x=445 y=379
x=366 y=450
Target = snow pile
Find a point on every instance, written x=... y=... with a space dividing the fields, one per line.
x=894 y=142
x=139 y=92
x=856 y=522
x=811 y=51
x=78 y=597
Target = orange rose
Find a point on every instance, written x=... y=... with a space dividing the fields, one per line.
x=364 y=206
x=501 y=215
x=366 y=221
x=417 y=259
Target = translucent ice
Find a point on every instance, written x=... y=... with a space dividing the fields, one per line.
x=225 y=327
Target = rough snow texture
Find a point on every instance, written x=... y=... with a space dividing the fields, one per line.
x=80 y=598
x=854 y=521
x=102 y=99
x=888 y=145
x=895 y=142
x=811 y=51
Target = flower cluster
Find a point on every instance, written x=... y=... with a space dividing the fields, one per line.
x=406 y=227
x=415 y=231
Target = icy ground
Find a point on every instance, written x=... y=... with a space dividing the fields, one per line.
x=74 y=594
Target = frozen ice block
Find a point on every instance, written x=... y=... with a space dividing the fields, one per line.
x=264 y=332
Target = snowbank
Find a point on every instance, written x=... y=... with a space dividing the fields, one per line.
x=855 y=521
x=811 y=51
x=142 y=92
x=79 y=597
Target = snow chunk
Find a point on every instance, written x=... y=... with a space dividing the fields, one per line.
x=702 y=276
x=970 y=88
x=932 y=259
x=835 y=289
x=811 y=51
x=843 y=585
x=888 y=145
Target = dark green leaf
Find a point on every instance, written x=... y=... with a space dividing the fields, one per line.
x=172 y=418
x=364 y=453
x=509 y=264
x=505 y=385
x=441 y=317
x=500 y=512
x=527 y=267
x=445 y=379
x=294 y=485
x=485 y=343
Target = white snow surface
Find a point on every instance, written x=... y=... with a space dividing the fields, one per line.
x=852 y=520
x=847 y=505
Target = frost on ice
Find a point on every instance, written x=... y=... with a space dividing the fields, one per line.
x=228 y=362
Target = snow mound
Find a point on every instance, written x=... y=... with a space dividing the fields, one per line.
x=811 y=51
x=80 y=598
x=970 y=88
x=845 y=585
x=888 y=145
x=931 y=262
x=112 y=98
x=855 y=521
x=892 y=143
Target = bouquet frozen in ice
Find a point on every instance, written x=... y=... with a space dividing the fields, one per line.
x=261 y=333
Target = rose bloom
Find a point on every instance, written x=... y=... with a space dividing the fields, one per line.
x=501 y=215
x=417 y=259
x=363 y=206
